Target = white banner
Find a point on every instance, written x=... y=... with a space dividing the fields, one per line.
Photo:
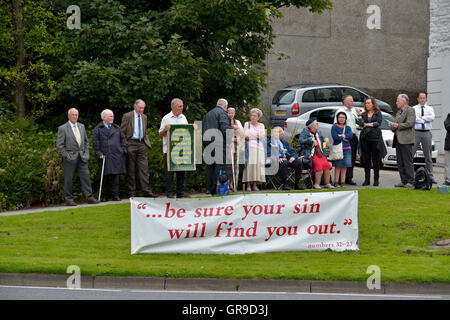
x=249 y=223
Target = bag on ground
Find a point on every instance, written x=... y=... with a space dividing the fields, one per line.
x=222 y=184
x=422 y=180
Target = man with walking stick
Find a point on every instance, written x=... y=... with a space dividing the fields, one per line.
x=109 y=144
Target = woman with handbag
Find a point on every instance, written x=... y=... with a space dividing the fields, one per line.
x=342 y=135
x=370 y=135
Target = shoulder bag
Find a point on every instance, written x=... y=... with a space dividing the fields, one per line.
x=336 y=152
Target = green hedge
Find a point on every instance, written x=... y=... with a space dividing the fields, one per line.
x=32 y=173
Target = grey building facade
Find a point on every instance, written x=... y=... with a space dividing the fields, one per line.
x=379 y=46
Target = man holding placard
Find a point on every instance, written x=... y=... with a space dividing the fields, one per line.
x=176 y=116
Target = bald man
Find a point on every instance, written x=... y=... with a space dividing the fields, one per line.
x=73 y=145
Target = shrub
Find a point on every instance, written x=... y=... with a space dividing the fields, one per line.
x=32 y=171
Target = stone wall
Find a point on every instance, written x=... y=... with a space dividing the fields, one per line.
x=382 y=53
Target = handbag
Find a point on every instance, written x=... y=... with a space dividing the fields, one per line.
x=336 y=152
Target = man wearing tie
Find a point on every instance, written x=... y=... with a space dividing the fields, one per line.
x=134 y=127
x=73 y=145
x=424 y=119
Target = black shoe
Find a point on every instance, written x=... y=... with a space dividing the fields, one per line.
x=171 y=196
x=117 y=198
x=366 y=183
x=376 y=183
x=351 y=183
x=285 y=187
x=298 y=187
x=150 y=195
x=104 y=199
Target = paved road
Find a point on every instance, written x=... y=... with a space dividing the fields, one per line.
x=42 y=293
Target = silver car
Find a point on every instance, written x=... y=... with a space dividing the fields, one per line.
x=295 y=100
x=326 y=116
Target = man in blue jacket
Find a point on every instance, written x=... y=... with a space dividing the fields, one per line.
x=287 y=157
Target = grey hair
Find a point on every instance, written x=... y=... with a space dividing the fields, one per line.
x=175 y=102
x=278 y=127
x=68 y=112
x=105 y=112
x=405 y=97
x=222 y=103
x=257 y=111
x=139 y=101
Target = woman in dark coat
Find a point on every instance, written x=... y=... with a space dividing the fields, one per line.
x=108 y=142
x=370 y=135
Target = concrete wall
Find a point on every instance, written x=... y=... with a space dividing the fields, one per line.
x=338 y=46
x=438 y=86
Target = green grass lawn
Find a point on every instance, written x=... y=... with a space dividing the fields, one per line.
x=395 y=229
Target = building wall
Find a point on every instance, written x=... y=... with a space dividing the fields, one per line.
x=438 y=85
x=342 y=46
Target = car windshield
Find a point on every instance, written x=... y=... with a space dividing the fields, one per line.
x=284 y=97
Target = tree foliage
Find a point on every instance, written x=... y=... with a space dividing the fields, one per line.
x=42 y=28
x=198 y=50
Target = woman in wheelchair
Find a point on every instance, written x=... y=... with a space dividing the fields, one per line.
x=312 y=143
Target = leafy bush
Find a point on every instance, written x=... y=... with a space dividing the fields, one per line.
x=32 y=172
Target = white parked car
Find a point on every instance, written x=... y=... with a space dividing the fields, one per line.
x=326 y=116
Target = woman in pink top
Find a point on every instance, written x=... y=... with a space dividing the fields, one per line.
x=254 y=132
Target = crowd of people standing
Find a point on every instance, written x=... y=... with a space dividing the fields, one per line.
x=123 y=149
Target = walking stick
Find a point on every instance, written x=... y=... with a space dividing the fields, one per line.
x=101 y=179
x=232 y=170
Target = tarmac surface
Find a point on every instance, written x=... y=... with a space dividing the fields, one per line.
x=388 y=178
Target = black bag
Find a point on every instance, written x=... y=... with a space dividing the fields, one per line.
x=422 y=179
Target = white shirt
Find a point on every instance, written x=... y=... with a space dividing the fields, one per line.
x=351 y=120
x=428 y=116
x=170 y=119
x=72 y=125
x=137 y=117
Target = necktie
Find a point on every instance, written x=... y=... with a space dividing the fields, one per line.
x=77 y=135
x=423 y=113
x=139 y=127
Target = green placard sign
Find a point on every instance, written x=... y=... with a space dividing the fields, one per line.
x=180 y=147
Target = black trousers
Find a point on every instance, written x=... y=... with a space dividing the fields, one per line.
x=212 y=172
x=283 y=170
x=354 y=145
x=181 y=180
x=371 y=158
x=110 y=185
x=405 y=162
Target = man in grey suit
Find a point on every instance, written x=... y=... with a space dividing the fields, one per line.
x=73 y=145
x=404 y=140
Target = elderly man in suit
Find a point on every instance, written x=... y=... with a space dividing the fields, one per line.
x=109 y=145
x=73 y=145
x=134 y=127
x=216 y=121
x=404 y=141
x=286 y=157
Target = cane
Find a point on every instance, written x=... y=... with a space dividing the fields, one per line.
x=101 y=179
x=232 y=169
